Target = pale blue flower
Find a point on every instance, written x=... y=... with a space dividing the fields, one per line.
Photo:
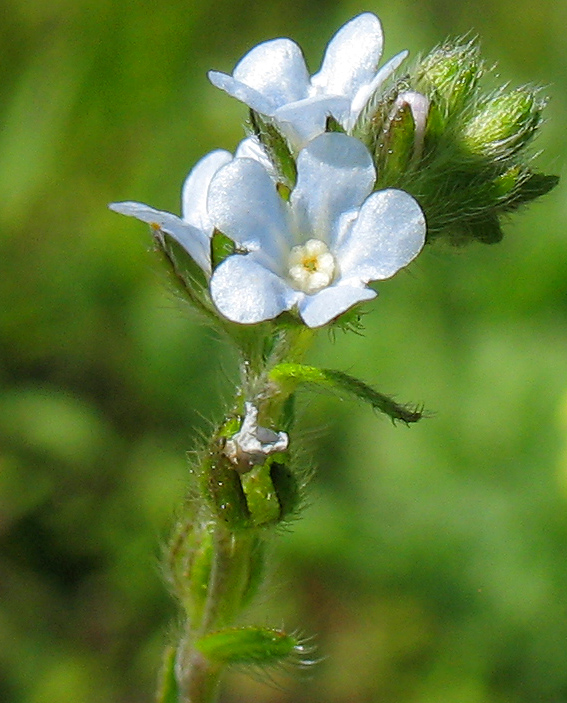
x=317 y=252
x=273 y=79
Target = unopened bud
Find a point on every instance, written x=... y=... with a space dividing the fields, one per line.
x=504 y=125
x=418 y=105
x=401 y=145
x=449 y=75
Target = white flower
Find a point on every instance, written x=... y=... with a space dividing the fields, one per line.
x=273 y=79
x=318 y=251
x=253 y=444
x=194 y=229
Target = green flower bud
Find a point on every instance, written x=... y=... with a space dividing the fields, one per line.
x=503 y=125
x=449 y=75
x=401 y=145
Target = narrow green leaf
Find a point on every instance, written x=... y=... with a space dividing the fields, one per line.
x=289 y=376
x=249 y=645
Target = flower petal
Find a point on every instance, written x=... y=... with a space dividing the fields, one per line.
x=196 y=187
x=277 y=70
x=351 y=57
x=242 y=92
x=388 y=233
x=365 y=92
x=250 y=148
x=334 y=174
x=304 y=120
x=244 y=291
x=243 y=204
x=318 y=309
x=191 y=238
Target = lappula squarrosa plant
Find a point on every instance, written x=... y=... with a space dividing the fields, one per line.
x=343 y=178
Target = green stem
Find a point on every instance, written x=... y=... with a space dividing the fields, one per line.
x=234 y=566
x=198 y=677
x=230 y=574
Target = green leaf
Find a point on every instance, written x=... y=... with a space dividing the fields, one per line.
x=250 y=645
x=486 y=230
x=185 y=276
x=289 y=376
x=533 y=186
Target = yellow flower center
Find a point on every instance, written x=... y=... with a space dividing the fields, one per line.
x=311 y=266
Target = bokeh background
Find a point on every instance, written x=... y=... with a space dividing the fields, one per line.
x=432 y=562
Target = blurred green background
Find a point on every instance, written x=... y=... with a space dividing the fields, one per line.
x=432 y=561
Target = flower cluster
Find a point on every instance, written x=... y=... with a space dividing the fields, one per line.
x=311 y=249
x=333 y=188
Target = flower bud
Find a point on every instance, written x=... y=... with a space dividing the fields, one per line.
x=401 y=145
x=450 y=74
x=504 y=124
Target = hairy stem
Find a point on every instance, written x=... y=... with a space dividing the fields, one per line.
x=198 y=677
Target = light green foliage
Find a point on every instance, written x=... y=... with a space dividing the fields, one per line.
x=431 y=560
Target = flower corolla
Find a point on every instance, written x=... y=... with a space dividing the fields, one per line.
x=318 y=251
x=253 y=444
x=273 y=80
